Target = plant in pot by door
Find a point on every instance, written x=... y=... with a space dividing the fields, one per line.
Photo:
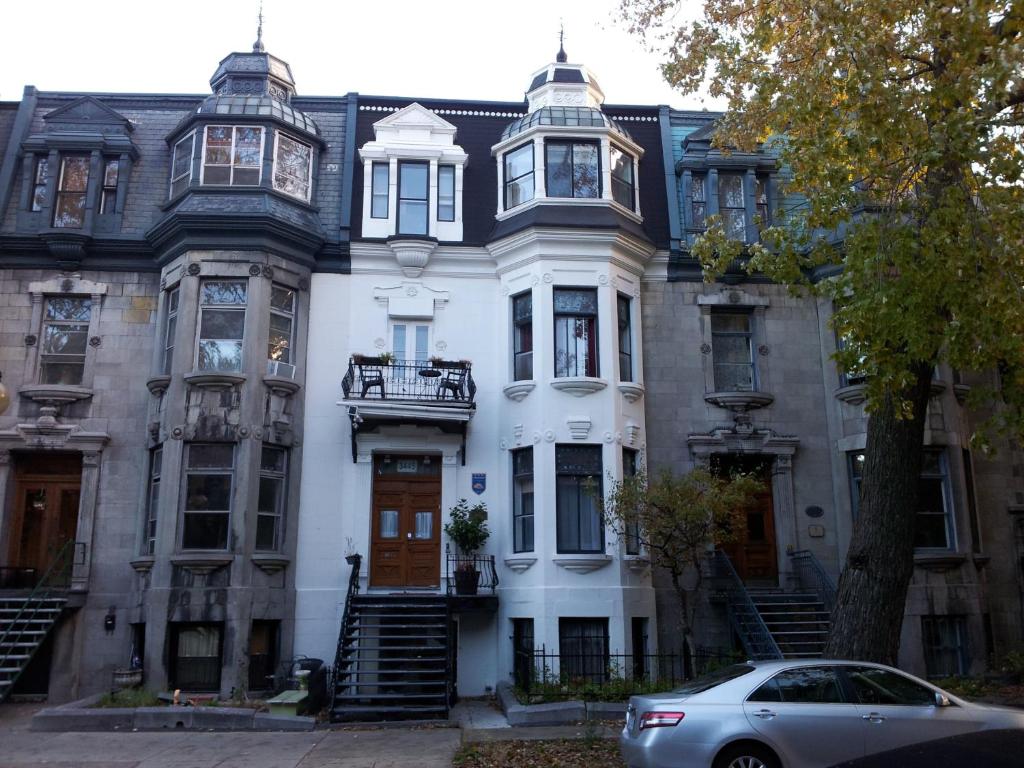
x=467 y=527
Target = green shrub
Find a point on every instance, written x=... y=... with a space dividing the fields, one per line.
x=129 y=698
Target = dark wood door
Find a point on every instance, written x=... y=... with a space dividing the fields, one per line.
x=45 y=518
x=406 y=538
x=753 y=554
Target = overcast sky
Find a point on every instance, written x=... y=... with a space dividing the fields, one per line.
x=450 y=49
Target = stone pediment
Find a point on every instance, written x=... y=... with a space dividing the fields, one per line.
x=86 y=113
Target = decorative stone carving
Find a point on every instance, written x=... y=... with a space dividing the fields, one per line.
x=254 y=270
x=631 y=391
x=441 y=346
x=268 y=272
x=578 y=386
x=411 y=290
x=412 y=254
x=517 y=390
x=517 y=432
x=632 y=432
x=30 y=339
x=379 y=343
x=582 y=563
x=579 y=427
x=303 y=284
x=193 y=269
x=705 y=348
x=763 y=350
x=608 y=437
x=270 y=563
x=602 y=279
x=95 y=341
x=519 y=563
x=503 y=444
x=549 y=435
x=548 y=278
x=536 y=437
x=66 y=285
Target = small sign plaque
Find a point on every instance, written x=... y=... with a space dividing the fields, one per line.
x=479 y=482
x=406 y=465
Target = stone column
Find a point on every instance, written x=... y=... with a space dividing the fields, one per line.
x=783 y=501
x=86 y=519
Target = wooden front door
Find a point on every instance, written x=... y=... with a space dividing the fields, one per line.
x=45 y=514
x=753 y=554
x=406 y=537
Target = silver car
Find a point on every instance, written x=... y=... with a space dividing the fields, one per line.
x=806 y=713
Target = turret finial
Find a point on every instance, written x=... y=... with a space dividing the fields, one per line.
x=561 y=58
x=257 y=47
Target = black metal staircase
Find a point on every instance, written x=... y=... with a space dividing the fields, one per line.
x=776 y=623
x=394 y=657
x=26 y=619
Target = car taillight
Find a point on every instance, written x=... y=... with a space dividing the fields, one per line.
x=660 y=719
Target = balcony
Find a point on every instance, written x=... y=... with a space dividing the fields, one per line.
x=379 y=391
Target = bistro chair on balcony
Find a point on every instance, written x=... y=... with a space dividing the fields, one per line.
x=372 y=376
x=454 y=381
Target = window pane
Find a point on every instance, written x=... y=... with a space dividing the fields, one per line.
x=223 y=292
x=622 y=193
x=559 y=170
x=810 y=685
x=576 y=302
x=412 y=181
x=70 y=210
x=220 y=355
x=208 y=492
x=389 y=524
x=205 y=531
x=730 y=190
x=519 y=191
x=422 y=333
x=291 y=167
x=412 y=217
x=75 y=174
x=380 y=191
x=280 y=339
x=110 y=173
x=519 y=162
x=424 y=525
x=270 y=494
x=735 y=223
x=65 y=339
x=732 y=349
x=879 y=686
x=247 y=147
x=585 y=178
x=266 y=532
x=697 y=189
x=272 y=459
x=222 y=324
x=733 y=378
x=446 y=193
x=282 y=299
x=398 y=341
x=211 y=456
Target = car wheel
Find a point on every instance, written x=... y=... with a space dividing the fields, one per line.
x=747 y=755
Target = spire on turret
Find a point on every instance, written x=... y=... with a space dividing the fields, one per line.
x=257 y=47
x=560 y=57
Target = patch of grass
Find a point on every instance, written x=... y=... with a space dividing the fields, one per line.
x=129 y=697
x=561 y=753
x=614 y=690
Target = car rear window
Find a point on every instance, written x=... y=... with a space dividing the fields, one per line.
x=711 y=679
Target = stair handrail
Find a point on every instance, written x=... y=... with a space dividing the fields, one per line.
x=757 y=643
x=814 y=578
x=54 y=577
x=355 y=560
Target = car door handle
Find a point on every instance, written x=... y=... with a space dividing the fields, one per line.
x=764 y=714
x=873 y=717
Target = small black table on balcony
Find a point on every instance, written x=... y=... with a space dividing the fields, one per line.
x=429 y=373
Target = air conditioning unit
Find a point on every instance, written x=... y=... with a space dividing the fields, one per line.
x=280 y=368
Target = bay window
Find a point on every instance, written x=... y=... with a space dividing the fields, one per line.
x=575 y=315
x=282 y=325
x=153 y=499
x=379 y=190
x=40 y=177
x=270 y=506
x=446 y=193
x=170 y=329
x=624 y=310
x=732 y=350
x=698 y=201
x=108 y=195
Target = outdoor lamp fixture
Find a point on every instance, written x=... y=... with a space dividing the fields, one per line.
x=110 y=620
x=5 y=398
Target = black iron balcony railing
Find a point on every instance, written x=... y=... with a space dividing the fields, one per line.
x=470 y=574
x=437 y=383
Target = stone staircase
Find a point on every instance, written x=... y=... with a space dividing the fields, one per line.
x=25 y=621
x=394 y=659
x=798 y=621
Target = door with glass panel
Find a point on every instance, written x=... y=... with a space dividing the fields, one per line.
x=405 y=539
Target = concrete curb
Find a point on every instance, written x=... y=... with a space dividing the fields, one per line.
x=557 y=713
x=82 y=716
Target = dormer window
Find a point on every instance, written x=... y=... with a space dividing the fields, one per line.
x=762 y=209
x=181 y=164
x=698 y=201
x=412 y=178
x=518 y=176
x=572 y=169
x=69 y=210
x=232 y=155
x=293 y=167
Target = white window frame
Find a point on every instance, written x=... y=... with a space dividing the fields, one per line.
x=309 y=180
x=410 y=340
x=231 y=165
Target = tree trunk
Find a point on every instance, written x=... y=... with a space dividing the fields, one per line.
x=873 y=586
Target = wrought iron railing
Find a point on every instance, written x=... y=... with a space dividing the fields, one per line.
x=594 y=674
x=757 y=641
x=472 y=572
x=55 y=579
x=436 y=383
x=353 y=589
x=814 y=578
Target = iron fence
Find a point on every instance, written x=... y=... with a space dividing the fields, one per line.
x=439 y=382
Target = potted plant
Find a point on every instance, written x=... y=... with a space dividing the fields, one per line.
x=467 y=527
